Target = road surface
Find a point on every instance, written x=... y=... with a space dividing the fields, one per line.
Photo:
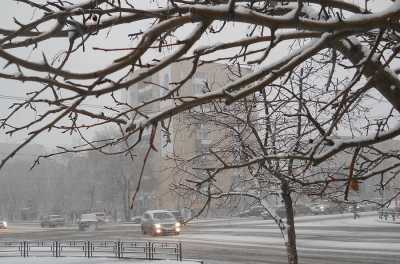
x=252 y=241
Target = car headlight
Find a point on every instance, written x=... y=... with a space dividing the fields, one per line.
x=4 y=223
x=177 y=224
x=157 y=225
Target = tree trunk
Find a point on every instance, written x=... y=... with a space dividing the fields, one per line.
x=125 y=199
x=290 y=229
x=92 y=190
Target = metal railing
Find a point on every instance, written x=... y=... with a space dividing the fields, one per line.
x=389 y=215
x=89 y=249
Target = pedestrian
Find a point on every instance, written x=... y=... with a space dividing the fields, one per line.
x=355 y=212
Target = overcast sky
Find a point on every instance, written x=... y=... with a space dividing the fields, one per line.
x=11 y=91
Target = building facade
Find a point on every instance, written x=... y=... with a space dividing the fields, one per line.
x=182 y=136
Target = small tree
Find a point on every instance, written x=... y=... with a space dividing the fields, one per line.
x=263 y=141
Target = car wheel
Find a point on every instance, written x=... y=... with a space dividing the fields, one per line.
x=92 y=227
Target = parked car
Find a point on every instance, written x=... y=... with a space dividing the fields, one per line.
x=88 y=222
x=253 y=211
x=336 y=208
x=299 y=209
x=52 y=221
x=367 y=207
x=302 y=209
x=177 y=215
x=3 y=224
x=266 y=215
x=102 y=218
x=136 y=219
x=160 y=222
x=328 y=207
x=318 y=208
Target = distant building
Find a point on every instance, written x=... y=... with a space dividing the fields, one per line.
x=18 y=184
x=186 y=141
x=181 y=139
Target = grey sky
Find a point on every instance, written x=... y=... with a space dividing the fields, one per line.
x=11 y=91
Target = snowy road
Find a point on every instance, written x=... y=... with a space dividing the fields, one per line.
x=320 y=240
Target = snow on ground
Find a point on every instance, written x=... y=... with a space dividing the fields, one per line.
x=52 y=260
x=277 y=242
x=253 y=234
x=265 y=233
x=368 y=219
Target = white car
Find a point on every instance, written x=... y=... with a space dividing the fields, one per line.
x=3 y=225
x=160 y=222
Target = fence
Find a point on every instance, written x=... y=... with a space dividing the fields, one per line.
x=389 y=215
x=89 y=249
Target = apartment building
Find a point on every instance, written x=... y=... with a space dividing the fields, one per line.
x=185 y=137
x=188 y=138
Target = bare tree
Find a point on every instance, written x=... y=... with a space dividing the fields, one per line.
x=263 y=141
x=341 y=35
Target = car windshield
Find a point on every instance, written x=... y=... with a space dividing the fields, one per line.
x=163 y=216
x=54 y=216
x=88 y=217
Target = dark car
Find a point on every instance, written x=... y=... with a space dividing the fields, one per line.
x=299 y=209
x=302 y=209
x=88 y=222
x=336 y=208
x=367 y=207
x=160 y=222
x=102 y=218
x=253 y=211
x=52 y=221
x=136 y=219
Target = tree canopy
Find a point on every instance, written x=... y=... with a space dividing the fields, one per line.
x=347 y=51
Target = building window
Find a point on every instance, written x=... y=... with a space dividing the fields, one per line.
x=145 y=95
x=200 y=75
x=164 y=89
x=199 y=83
x=203 y=135
x=199 y=88
x=166 y=142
